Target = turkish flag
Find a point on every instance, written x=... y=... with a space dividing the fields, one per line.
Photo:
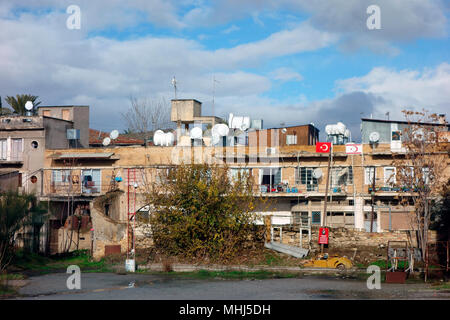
x=323 y=147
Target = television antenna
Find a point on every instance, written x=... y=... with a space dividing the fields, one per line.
x=214 y=93
x=174 y=84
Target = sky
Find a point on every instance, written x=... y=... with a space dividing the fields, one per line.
x=288 y=62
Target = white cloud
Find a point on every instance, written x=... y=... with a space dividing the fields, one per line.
x=405 y=88
x=286 y=74
x=231 y=29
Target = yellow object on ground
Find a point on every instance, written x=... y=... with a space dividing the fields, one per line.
x=325 y=261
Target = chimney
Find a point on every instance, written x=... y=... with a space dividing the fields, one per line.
x=442 y=118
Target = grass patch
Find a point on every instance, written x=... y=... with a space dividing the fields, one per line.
x=6 y=291
x=34 y=262
x=12 y=276
x=382 y=264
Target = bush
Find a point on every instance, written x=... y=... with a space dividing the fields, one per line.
x=16 y=212
x=200 y=211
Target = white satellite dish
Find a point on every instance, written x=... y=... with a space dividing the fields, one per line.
x=169 y=139
x=284 y=130
x=347 y=133
x=215 y=138
x=230 y=120
x=317 y=173
x=29 y=105
x=106 y=141
x=114 y=134
x=158 y=137
x=220 y=129
x=341 y=128
x=196 y=133
x=374 y=137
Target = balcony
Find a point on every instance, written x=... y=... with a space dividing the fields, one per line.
x=303 y=190
x=13 y=159
x=386 y=190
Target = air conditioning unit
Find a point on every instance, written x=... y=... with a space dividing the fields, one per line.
x=73 y=134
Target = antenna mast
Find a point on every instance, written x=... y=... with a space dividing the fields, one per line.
x=214 y=92
x=174 y=84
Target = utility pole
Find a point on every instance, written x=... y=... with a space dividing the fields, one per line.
x=326 y=195
x=373 y=200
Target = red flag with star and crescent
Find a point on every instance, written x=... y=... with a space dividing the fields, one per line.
x=323 y=147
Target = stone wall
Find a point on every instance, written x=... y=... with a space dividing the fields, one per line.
x=107 y=232
x=345 y=238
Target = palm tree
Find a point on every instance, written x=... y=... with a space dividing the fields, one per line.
x=18 y=103
x=4 y=111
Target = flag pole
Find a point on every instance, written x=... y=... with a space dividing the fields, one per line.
x=323 y=224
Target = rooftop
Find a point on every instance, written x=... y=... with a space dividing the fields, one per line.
x=96 y=138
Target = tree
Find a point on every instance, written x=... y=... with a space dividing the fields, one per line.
x=18 y=103
x=4 y=111
x=145 y=115
x=420 y=170
x=200 y=211
x=17 y=211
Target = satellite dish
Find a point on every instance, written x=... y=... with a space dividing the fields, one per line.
x=220 y=129
x=374 y=137
x=114 y=134
x=215 y=139
x=341 y=128
x=230 y=119
x=243 y=126
x=169 y=139
x=106 y=141
x=196 y=133
x=29 y=105
x=347 y=133
x=419 y=134
x=158 y=137
x=317 y=173
x=284 y=130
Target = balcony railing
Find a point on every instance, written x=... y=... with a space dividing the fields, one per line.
x=302 y=189
x=391 y=189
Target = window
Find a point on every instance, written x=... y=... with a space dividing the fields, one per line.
x=315 y=217
x=16 y=149
x=395 y=135
x=91 y=180
x=306 y=177
x=291 y=139
x=389 y=175
x=270 y=177
x=300 y=217
x=369 y=173
x=236 y=172
x=341 y=176
x=3 y=149
x=60 y=176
